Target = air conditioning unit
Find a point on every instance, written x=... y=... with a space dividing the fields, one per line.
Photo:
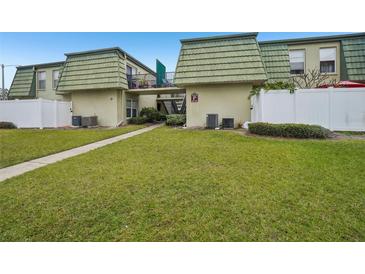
x=212 y=121
x=76 y=121
x=89 y=121
x=227 y=123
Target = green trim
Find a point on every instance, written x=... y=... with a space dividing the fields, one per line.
x=88 y=72
x=119 y=50
x=343 y=68
x=353 y=57
x=23 y=84
x=276 y=60
x=222 y=59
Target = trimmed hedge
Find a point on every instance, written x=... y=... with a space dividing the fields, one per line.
x=175 y=119
x=289 y=130
x=151 y=114
x=137 y=120
x=7 y=125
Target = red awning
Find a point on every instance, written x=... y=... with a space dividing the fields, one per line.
x=344 y=84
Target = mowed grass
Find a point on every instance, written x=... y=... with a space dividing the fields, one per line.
x=181 y=185
x=19 y=145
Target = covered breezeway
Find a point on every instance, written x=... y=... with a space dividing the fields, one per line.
x=170 y=100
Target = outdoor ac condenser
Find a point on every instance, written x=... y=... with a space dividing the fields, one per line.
x=212 y=121
x=89 y=121
x=227 y=123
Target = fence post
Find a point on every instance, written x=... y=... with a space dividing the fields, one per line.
x=252 y=108
x=40 y=106
x=55 y=104
x=294 y=105
x=261 y=113
x=330 y=108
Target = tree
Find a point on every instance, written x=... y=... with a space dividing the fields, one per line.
x=311 y=79
x=4 y=94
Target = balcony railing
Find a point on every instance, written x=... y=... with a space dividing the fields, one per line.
x=144 y=81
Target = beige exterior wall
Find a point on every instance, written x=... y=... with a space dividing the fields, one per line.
x=147 y=101
x=121 y=106
x=102 y=103
x=108 y=105
x=312 y=56
x=226 y=100
x=49 y=92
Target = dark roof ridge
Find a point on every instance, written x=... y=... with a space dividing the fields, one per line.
x=313 y=39
x=221 y=37
x=50 y=64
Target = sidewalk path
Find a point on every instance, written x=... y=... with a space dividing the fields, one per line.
x=12 y=171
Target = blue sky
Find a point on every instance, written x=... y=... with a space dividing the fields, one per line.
x=33 y=48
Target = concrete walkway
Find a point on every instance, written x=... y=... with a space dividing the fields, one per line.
x=12 y=171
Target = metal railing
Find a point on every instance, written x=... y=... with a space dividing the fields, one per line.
x=144 y=81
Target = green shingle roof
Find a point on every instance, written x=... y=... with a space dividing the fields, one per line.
x=24 y=83
x=276 y=60
x=100 y=69
x=234 y=59
x=354 y=58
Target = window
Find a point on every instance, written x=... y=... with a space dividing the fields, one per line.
x=132 y=108
x=41 y=80
x=297 y=58
x=327 y=58
x=55 y=76
x=131 y=70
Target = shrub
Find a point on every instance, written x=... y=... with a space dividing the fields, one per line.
x=7 y=125
x=289 y=130
x=137 y=120
x=151 y=114
x=175 y=119
x=279 y=85
x=162 y=117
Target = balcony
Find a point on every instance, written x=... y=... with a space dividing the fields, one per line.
x=146 y=81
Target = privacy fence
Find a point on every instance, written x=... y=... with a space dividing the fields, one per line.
x=340 y=109
x=37 y=113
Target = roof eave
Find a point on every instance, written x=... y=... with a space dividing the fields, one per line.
x=43 y=65
x=221 y=82
x=318 y=39
x=67 y=91
x=220 y=37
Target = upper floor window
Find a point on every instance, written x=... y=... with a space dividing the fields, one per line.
x=41 y=79
x=297 y=60
x=131 y=70
x=327 y=58
x=55 y=76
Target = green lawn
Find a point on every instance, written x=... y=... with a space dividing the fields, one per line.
x=182 y=185
x=19 y=145
x=356 y=133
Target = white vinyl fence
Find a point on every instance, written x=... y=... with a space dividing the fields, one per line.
x=37 y=113
x=333 y=108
